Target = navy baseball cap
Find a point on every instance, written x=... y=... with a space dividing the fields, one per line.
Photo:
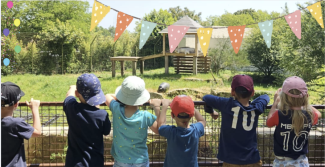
x=89 y=87
x=10 y=94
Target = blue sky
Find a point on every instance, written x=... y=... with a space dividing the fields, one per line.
x=216 y=7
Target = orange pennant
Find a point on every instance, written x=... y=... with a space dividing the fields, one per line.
x=123 y=21
x=236 y=34
x=316 y=11
x=98 y=13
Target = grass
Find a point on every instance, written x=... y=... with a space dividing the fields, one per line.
x=53 y=88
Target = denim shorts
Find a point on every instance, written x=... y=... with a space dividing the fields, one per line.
x=121 y=164
x=302 y=161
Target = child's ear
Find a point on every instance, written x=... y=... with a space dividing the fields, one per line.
x=16 y=105
x=253 y=93
x=77 y=93
x=233 y=93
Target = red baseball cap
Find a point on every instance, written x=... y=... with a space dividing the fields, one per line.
x=182 y=104
x=244 y=81
x=295 y=82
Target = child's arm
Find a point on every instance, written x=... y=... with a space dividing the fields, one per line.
x=199 y=117
x=275 y=103
x=155 y=104
x=71 y=91
x=316 y=112
x=162 y=115
x=109 y=98
x=34 y=105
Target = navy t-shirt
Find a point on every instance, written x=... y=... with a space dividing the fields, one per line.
x=182 y=144
x=286 y=142
x=87 y=125
x=13 y=133
x=238 y=138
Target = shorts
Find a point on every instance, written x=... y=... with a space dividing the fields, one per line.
x=121 y=164
x=257 y=164
x=302 y=161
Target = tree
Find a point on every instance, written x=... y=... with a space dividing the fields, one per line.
x=178 y=13
x=61 y=38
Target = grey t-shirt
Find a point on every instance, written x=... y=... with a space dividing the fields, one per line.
x=13 y=133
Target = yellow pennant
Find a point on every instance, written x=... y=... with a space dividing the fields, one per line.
x=316 y=11
x=98 y=13
x=204 y=35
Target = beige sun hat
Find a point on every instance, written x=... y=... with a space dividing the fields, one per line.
x=132 y=91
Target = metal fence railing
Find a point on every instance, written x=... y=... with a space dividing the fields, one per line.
x=49 y=149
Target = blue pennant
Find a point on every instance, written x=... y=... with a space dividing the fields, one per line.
x=146 y=29
x=266 y=30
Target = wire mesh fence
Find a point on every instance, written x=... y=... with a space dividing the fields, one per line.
x=50 y=148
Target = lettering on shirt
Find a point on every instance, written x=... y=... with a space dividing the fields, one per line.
x=289 y=126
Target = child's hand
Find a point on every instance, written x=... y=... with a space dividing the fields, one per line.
x=215 y=115
x=276 y=96
x=165 y=102
x=154 y=103
x=110 y=96
x=33 y=104
x=73 y=87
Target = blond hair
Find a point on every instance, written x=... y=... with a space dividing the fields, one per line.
x=298 y=117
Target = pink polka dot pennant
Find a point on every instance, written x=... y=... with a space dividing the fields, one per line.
x=175 y=35
x=294 y=21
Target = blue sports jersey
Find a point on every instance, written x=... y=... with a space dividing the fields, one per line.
x=286 y=143
x=238 y=139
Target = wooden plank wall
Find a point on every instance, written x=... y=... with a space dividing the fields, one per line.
x=184 y=64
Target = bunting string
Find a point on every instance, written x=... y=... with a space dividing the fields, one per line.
x=210 y=26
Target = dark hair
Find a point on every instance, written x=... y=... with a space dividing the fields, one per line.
x=242 y=92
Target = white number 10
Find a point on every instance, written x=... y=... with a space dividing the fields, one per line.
x=235 y=119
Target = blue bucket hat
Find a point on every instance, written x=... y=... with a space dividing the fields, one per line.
x=88 y=85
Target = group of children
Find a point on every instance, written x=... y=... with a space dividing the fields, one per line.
x=291 y=115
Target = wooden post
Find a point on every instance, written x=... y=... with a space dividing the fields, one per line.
x=196 y=55
x=134 y=67
x=141 y=66
x=177 y=72
x=113 y=68
x=122 y=68
x=206 y=64
x=166 y=56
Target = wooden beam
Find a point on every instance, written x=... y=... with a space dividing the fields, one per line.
x=134 y=68
x=113 y=68
x=125 y=58
x=122 y=68
x=166 y=56
x=196 y=54
x=141 y=66
x=152 y=56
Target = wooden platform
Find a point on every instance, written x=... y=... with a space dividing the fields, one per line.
x=126 y=58
x=184 y=64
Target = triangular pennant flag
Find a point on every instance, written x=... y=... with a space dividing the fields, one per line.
x=266 y=28
x=98 y=13
x=146 y=29
x=236 y=34
x=294 y=21
x=175 y=35
x=204 y=35
x=123 y=21
x=316 y=11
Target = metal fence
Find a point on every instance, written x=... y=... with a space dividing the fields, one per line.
x=49 y=149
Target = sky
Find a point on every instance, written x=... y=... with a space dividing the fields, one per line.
x=206 y=7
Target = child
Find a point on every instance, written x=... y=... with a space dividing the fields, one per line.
x=238 y=139
x=130 y=125
x=15 y=130
x=87 y=123
x=183 y=139
x=293 y=120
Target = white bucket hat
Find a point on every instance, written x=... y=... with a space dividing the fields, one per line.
x=132 y=91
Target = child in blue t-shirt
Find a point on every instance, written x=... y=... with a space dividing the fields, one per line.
x=130 y=125
x=183 y=139
x=87 y=123
x=238 y=138
x=292 y=120
x=15 y=130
